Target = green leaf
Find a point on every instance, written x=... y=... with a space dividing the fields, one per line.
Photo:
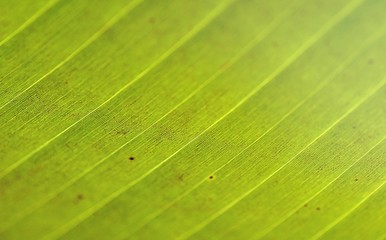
x=204 y=119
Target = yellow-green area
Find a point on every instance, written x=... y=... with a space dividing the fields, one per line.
x=192 y=119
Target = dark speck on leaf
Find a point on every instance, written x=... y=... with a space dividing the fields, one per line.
x=356 y=179
x=210 y=177
x=181 y=177
x=318 y=208
x=306 y=205
x=122 y=132
x=131 y=158
x=80 y=196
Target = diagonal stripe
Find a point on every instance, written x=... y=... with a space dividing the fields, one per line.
x=330 y=77
x=201 y=25
x=86 y=214
x=87 y=43
x=235 y=59
x=241 y=152
x=37 y=115
x=347 y=214
x=235 y=202
x=32 y=19
x=319 y=192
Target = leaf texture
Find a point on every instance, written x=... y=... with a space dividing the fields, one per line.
x=205 y=119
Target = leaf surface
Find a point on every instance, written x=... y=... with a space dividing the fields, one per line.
x=232 y=119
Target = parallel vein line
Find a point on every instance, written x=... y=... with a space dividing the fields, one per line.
x=347 y=214
x=87 y=43
x=169 y=52
x=330 y=77
x=201 y=25
x=294 y=109
x=86 y=214
x=235 y=59
x=371 y=40
x=246 y=194
x=29 y=21
x=37 y=115
x=272 y=228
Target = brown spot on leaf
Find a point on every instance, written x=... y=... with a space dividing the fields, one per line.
x=152 y=20
x=181 y=177
x=318 y=208
x=131 y=158
x=275 y=44
x=225 y=66
x=122 y=132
